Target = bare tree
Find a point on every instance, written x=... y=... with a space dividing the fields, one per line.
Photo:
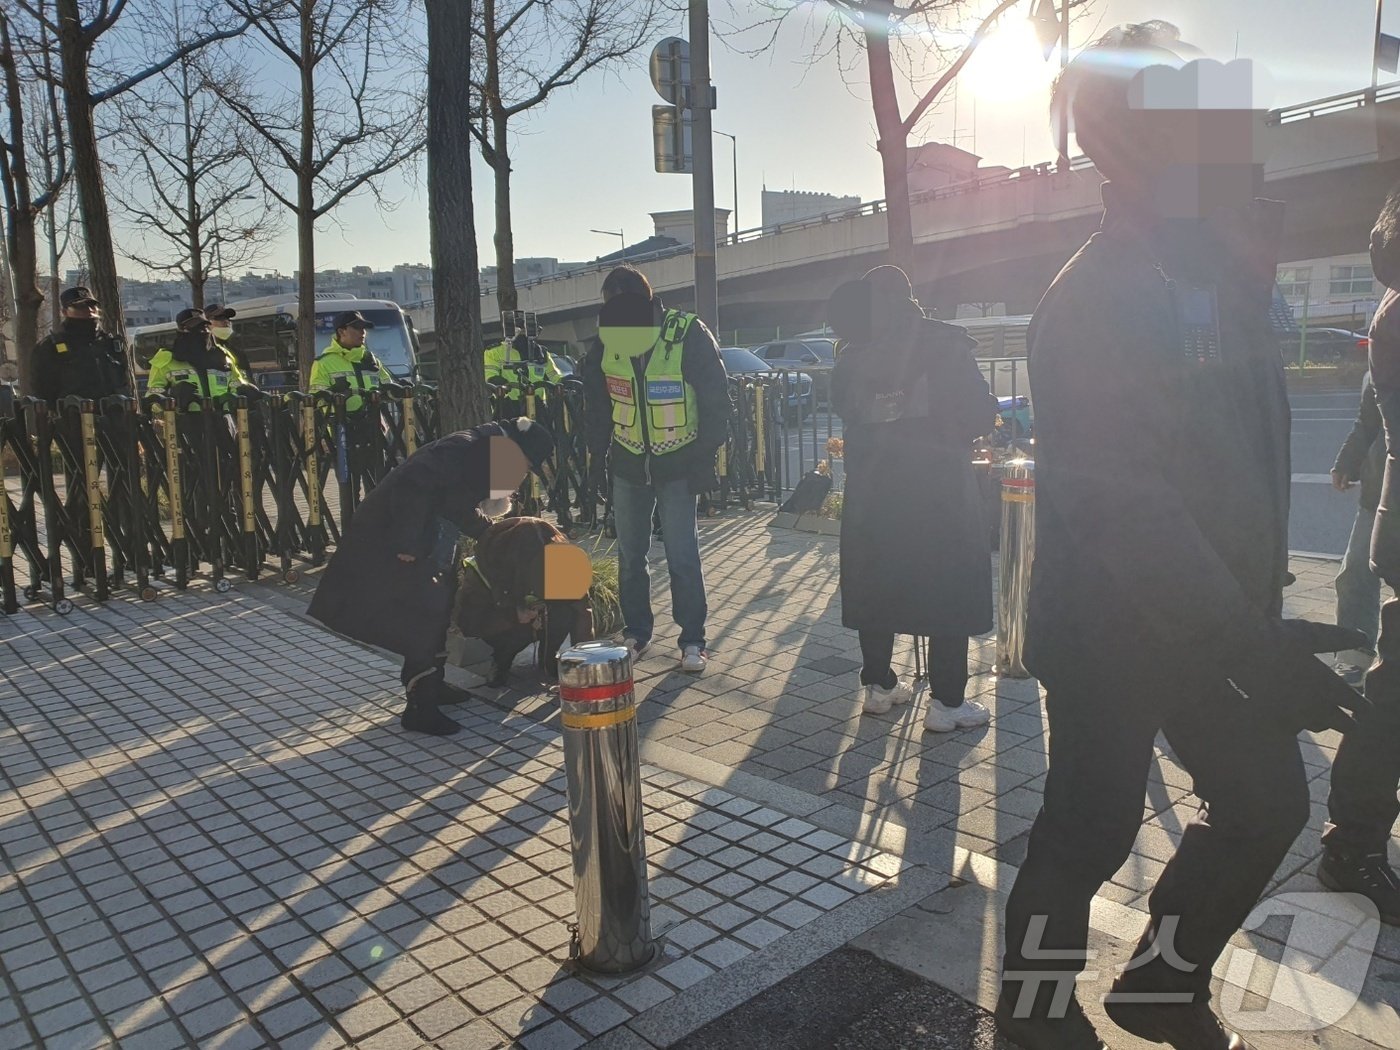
x=462 y=398
x=78 y=26
x=193 y=165
x=530 y=49
x=922 y=43
x=353 y=116
x=26 y=198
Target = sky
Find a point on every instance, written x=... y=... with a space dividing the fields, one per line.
x=584 y=162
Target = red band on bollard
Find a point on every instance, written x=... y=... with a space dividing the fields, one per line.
x=594 y=693
x=1018 y=483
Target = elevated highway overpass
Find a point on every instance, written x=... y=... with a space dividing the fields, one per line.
x=1000 y=238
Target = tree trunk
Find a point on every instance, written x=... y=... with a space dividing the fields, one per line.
x=507 y=298
x=74 y=46
x=20 y=240
x=306 y=204
x=462 y=400
x=196 y=249
x=893 y=142
x=55 y=280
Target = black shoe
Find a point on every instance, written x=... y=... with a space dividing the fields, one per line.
x=1074 y=1031
x=449 y=694
x=1369 y=874
x=1185 y=1026
x=420 y=717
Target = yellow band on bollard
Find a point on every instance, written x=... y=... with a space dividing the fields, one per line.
x=313 y=469
x=172 y=475
x=602 y=721
x=410 y=426
x=1012 y=496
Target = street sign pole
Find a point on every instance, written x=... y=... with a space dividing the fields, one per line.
x=703 y=178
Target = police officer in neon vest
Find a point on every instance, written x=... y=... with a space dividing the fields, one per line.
x=221 y=318
x=347 y=366
x=657 y=403
x=502 y=363
x=196 y=365
x=79 y=359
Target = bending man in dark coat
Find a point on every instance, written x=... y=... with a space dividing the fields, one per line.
x=914 y=556
x=382 y=587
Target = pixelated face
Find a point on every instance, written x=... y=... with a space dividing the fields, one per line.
x=629 y=340
x=1198 y=136
x=508 y=466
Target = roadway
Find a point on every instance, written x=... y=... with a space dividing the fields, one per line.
x=1321 y=517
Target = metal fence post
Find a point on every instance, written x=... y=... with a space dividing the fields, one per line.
x=93 y=497
x=1017 y=553
x=599 y=715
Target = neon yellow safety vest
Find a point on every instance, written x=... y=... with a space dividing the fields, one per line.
x=498 y=357
x=663 y=416
x=166 y=372
x=360 y=368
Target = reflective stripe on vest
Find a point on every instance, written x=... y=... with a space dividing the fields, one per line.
x=666 y=403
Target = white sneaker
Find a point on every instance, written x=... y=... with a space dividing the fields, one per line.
x=1353 y=664
x=635 y=649
x=943 y=719
x=694 y=659
x=876 y=700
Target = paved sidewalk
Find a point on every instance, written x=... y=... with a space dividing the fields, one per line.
x=209 y=848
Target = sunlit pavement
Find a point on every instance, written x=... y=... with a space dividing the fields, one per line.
x=216 y=835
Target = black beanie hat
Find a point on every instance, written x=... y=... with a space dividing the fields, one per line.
x=534 y=439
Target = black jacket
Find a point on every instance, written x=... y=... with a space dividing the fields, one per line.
x=1162 y=478
x=366 y=592
x=1362 y=455
x=914 y=557
x=89 y=366
x=704 y=370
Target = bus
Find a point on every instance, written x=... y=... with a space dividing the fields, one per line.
x=265 y=334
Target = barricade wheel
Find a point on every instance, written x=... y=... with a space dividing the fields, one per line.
x=33 y=591
x=63 y=607
x=291 y=576
x=222 y=585
x=148 y=594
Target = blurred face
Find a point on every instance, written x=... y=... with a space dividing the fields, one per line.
x=350 y=337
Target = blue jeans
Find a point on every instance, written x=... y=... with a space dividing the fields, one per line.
x=632 y=509
x=1358 y=588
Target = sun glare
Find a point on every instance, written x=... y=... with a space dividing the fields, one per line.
x=1010 y=64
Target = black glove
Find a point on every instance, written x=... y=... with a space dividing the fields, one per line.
x=341 y=386
x=252 y=393
x=1283 y=672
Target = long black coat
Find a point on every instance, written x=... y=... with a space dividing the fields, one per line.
x=914 y=557
x=367 y=593
x=1162 y=476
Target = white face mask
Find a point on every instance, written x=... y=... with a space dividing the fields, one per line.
x=222 y=332
x=494 y=508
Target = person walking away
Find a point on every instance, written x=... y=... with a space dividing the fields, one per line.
x=657 y=404
x=1361 y=459
x=912 y=402
x=1162 y=487
x=80 y=359
x=1362 y=806
x=382 y=587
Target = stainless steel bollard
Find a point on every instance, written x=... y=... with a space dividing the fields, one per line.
x=1017 y=553
x=599 y=714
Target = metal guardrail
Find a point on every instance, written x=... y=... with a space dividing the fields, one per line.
x=1334 y=104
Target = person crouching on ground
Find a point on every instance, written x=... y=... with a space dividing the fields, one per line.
x=383 y=587
x=914 y=557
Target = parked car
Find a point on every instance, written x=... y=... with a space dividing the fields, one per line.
x=1325 y=345
x=816 y=356
x=739 y=361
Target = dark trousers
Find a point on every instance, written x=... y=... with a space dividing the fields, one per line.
x=423 y=667
x=1247 y=771
x=947 y=665
x=1363 y=806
